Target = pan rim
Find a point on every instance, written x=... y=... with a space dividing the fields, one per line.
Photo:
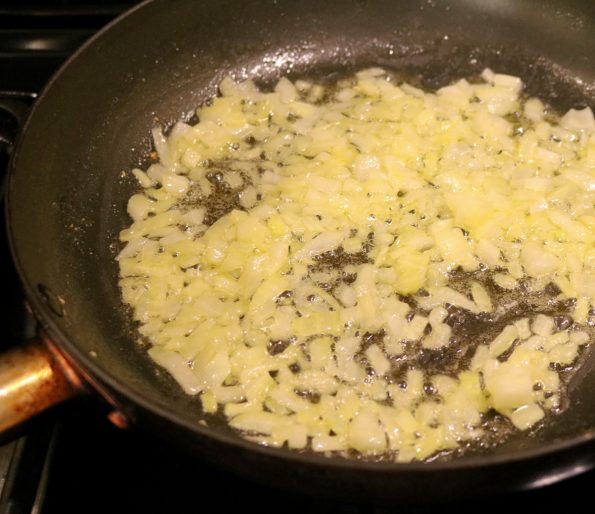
x=46 y=318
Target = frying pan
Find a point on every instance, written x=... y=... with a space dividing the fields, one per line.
x=68 y=189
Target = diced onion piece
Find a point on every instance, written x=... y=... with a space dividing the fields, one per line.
x=534 y=109
x=324 y=242
x=139 y=206
x=564 y=354
x=579 y=337
x=505 y=281
x=481 y=297
x=581 y=119
x=178 y=368
x=366 y=435
x=378 y=361
x=143 y=179
x=537 y=261
x=504 y=341
x=542 y=325
x=441 y=295
x=441 y=332
x=526 y=416
x=508 y=385
x=522 y=327
x=175 y=184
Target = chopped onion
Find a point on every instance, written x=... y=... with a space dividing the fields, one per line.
x=294 y=260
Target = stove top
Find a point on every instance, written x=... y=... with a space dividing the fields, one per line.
x=72 y=459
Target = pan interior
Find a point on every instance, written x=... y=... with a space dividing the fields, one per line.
x=69 y=188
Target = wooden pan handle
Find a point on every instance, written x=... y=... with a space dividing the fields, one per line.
x=33 y=378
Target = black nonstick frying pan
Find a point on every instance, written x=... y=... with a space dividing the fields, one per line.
x=68 y=191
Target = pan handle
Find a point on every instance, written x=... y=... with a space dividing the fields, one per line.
x=33 y=378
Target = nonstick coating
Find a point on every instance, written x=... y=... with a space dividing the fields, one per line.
x=68 y=190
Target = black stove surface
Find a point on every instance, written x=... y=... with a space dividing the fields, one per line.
x=73 y=459
x=134 y=472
